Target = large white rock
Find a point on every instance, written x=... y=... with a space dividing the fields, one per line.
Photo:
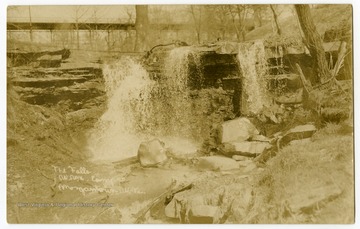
x=217 y=163
x=152 y=153
x=240 y=129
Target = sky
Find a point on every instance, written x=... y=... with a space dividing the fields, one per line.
x=88 y=13
x=63 y=13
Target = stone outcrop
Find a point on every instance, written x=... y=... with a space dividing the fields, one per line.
x=75 y=87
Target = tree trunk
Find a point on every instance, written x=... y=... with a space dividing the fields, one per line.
x=243 y=35
x=257 y=15
x=141 y=26
x=314 y=44
x=197 y=22
x=90 y=39
x=108 y=41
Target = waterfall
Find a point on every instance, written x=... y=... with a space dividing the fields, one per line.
x=253 y=65
x=128 y=88
x=175 y=89
x=140 y=109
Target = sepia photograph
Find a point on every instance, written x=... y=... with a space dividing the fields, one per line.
x=180 y=114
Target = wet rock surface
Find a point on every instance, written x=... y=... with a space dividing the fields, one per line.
x=295 y=182
x=152 y=153
x=240 y=129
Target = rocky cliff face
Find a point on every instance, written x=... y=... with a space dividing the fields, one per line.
x=70 y=88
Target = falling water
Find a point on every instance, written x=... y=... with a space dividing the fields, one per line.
x=253 y=65
x=128 y=88
x=175 y=90
x=140 y=109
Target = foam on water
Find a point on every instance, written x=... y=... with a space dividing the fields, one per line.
x=140 y=109
x=128 y=89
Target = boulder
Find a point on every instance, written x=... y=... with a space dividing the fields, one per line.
x=237 y=130
x=182 y=203
x=192 y=209
x=260 y=138
x=297 y=133
x=240 y=158
x=251 y=166
x=245 y=163
x=308 y=128
x=217 y=163
x=203 y=213
x=240 y=206
x=250 y=149
x=152 y=153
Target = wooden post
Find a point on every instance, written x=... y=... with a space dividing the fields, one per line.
x=108 y=40
x=51 y=36
x=278 y=30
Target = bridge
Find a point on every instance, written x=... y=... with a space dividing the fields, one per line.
x=87 y=26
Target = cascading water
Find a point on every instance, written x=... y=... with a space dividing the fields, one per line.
x=175 y=91
x=128 y=88
x=140 y=109
x=253 y=65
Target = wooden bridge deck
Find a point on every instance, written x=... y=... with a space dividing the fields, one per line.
x=87 y=26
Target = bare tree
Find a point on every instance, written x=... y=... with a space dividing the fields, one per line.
x=314 y=43
x=275 y=15
x=238 y=15
x=127 y=42
x=217 y=18
x=130 y=19
x=80 y=11
x=93 y=31
x=93 y=34
x=196 y=14
x=258 y=15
